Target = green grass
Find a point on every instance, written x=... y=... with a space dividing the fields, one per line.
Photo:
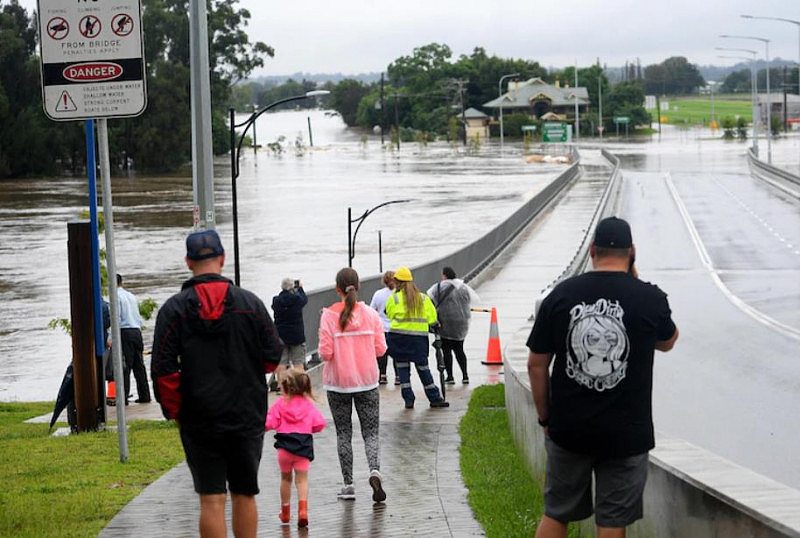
x=73 y=485
x=505 y=498
x=698 y=110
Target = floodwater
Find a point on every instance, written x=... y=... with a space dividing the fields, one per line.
x=292 y=223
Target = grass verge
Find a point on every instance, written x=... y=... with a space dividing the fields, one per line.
x=73 y=485
x=698 y=111
x=506 y=500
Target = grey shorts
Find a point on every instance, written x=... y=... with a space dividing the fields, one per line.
x=619 y=484
x=294 y=355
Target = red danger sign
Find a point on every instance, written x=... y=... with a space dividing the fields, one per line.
x=92 y=72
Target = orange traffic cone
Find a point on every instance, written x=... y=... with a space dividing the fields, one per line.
x=111 y=396
x=493 y=353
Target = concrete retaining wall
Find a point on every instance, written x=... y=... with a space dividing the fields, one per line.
x=690 y=493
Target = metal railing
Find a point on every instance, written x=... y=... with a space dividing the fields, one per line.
x=468 y=261
x=777 y=177
x=607 y=206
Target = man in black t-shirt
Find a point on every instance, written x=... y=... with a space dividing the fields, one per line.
x=602 y=328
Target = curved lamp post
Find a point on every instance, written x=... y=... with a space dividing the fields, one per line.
x=236 y=150
x=753 y=87
x=500 y=95
x=351 y=236
x=769 y=97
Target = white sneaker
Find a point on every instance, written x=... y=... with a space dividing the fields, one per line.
x=347 y=493
x=378 y=495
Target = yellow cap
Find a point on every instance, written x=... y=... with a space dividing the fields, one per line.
x=403 y=274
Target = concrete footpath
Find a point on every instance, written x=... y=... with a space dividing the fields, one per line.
x=419 y=447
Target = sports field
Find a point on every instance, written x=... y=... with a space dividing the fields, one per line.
x=698 y=110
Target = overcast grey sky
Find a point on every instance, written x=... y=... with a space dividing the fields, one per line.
x=353 y=36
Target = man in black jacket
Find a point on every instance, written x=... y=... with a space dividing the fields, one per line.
x=287 y=307
x=212 y=346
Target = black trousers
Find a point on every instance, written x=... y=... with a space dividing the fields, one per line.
x=132 y=349
x=450 y=347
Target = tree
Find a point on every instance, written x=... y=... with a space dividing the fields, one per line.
x=673 y=76
x=160 y=139
x=626 y=99
x=346 y=97
x=29 y=142
x=737 y=82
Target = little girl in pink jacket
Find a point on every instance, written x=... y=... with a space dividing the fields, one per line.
x=294 y=417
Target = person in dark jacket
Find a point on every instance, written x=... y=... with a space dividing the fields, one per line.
x=288 y=309
x=212 y=346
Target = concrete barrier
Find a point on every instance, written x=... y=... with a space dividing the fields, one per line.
x=690 y=493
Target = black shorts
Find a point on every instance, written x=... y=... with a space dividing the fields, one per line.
x=619 y=484
x=226 y=460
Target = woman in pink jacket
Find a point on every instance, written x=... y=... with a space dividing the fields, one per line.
x=294 y=418
x=350 y=337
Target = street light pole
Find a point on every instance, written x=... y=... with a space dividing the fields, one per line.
x=236 y=151
x=769 y=97
x=500 y=96
x=351 y=235
x=791 y=21
x=753 y=88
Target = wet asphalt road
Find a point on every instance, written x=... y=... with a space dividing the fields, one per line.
x=732 y=384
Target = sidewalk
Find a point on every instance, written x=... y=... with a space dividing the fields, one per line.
x=419 y=447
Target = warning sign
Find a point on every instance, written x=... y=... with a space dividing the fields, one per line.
x=65 y=103
x=97 y=71
x=57 y=28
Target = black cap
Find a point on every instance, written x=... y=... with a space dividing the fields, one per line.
x=612 y=232
x=203 y=244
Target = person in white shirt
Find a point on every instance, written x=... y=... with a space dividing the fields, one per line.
x=378 y=303
x=130 y=325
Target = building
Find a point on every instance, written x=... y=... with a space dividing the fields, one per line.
x=777 y=102
x=535 y=97
x=477 y=124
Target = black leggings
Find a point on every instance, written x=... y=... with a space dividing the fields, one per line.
x=449 y=347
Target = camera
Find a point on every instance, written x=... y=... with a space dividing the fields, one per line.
x=296 y=283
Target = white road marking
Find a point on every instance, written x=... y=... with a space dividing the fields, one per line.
x=770 y=322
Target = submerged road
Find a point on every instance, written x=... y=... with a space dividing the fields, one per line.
x=724 y=246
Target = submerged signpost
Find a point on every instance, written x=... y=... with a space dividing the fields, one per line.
x=92 y=67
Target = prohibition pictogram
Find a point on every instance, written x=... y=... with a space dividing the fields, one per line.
x=57 y=28
x=90 y=26
x=122 y=24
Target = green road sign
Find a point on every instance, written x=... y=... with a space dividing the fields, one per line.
x=555 y=132
x=622 y=119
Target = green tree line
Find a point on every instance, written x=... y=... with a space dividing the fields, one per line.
x=159 y=139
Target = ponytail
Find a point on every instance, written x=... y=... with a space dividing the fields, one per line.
x=347 y=283
x=413 y=297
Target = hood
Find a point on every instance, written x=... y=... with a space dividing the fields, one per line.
x=207 y=310
x=297 y=408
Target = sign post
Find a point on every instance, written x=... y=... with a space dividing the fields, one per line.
x=625 y=120
x=92 y=66
x=556 y=132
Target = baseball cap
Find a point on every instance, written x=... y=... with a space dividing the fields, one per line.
x=613 y=232
x=203 y=244
x=403 y=274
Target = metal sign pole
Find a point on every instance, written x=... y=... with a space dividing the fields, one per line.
x=116 y=348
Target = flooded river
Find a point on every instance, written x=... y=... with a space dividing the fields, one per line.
x=292 y=222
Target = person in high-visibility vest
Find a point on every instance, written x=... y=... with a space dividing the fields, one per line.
x=411 y=312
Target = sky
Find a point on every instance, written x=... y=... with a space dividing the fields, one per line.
x=359 y=36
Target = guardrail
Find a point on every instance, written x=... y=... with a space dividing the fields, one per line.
x=606 y=206
x=468 y=261
x=777 y=177
x=690 y=491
